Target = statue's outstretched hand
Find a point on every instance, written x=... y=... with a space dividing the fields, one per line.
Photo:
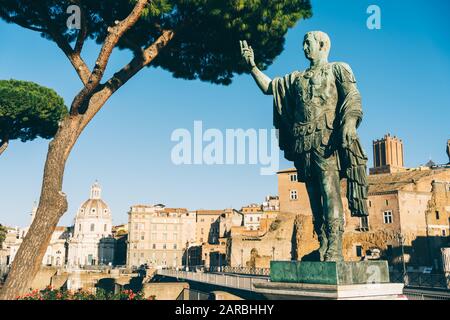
x=247 y=54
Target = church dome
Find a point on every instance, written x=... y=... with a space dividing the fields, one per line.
x=94 y=207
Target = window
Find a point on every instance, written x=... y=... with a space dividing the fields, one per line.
x=444 y=233
x=437 y=215
x=164 y=237
x=293 y=195
x=175 y=246
x=164 y=246
x=359 y=251
x=293 y=177
x=364 y=223
x=142 y=236
x=387 y=216
x=104 y=228
x=387 y=202
x=92 y=227
x=154 y=246
x=79 y=227
x=154 y=236
x=201 y=231
x=370 y=203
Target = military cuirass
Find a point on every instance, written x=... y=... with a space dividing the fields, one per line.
x=315 y=110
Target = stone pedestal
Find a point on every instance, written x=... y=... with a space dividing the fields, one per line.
x=330 y=280
x=304 y=291
x=337 y=273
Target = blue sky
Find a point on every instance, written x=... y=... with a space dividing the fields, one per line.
x=403 y=73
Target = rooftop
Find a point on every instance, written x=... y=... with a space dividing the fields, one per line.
x=209 y=212
x=388 y=182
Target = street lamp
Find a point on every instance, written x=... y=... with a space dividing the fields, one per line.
x=187 y=255
x=220 y=266
x=401 y=240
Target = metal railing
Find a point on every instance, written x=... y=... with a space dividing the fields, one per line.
x=224 y=280
x=247 y=270
x=190 y=294
x=426 y=295
x=422 y=280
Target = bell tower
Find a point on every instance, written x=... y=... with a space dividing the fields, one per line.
x=96 y=191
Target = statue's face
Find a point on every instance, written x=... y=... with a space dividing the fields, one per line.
x=312 y=48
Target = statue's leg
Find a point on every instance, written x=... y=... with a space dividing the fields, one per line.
x=333 y=213
x=315 y=200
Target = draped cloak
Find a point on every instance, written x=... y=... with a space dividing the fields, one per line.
x=310 y=108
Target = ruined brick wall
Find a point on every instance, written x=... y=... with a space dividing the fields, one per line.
x=258 y=251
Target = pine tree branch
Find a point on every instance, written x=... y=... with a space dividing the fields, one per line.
x=3 y=145
x=126 y=73
x=114 y=35
x=139 y=62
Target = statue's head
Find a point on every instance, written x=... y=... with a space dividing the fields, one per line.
x=316 y=45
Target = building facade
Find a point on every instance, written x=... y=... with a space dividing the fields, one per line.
x=207 y=226
x=92 y=242
x=253 y=214
x=159 y=236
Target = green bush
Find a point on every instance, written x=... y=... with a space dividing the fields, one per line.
x=56 y=294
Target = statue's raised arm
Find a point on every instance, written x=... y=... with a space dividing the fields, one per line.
x=263 y=81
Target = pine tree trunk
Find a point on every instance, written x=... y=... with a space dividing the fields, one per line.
x=52 y=205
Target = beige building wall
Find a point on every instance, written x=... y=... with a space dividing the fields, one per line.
x=205 y=220
x=287 y=188
x=157 y=235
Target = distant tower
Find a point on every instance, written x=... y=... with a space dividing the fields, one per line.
x=387 y=155
x=448 y=150
x=96 y=191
